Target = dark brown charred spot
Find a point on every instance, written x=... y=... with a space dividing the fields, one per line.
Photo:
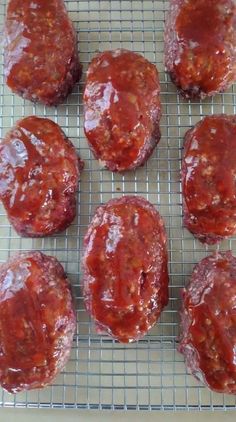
x=143 y=280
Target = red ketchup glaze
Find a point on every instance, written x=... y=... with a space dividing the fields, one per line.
x=209 y=178
x=208 y=338
x=122 y=109
x=41 y=57
x=125 y=282
x=39 y=173
x=200 y=46
x=37 y=321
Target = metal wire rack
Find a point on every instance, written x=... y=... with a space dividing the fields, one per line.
x=101 y=373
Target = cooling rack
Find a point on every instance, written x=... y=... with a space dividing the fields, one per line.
x=101 y=373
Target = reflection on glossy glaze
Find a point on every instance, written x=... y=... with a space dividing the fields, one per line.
x=37 y=321
x=41 y=58
x=122 y=109
x=125 y=268
x=13 y=282
x=209 y=178
x=208 y=338
x=39 y=174
x=200 y=46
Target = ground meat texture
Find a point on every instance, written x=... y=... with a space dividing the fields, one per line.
x=125 y=282
x=200 y=46
x=41 y=57
x=209 y=179
x=39 y=173
x=122 y=109
x=208 y=334
x=37 y=321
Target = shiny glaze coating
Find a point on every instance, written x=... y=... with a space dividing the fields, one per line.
x=41 y=58
x=122 y=109
x=209 y=179
x=39 y=173
x=125 y=282
x=208 y=338
x=37 y=321
x=200 y=46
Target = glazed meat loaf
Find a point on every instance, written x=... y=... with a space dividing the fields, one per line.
x=125 y=282
x=40 y=50
x=39 y=175
x=208 y=178
x=208 y=328
x=122 y=109
x=37 y=321
x=200 y=46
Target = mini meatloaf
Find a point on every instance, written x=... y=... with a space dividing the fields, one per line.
x=125 y=282
x=122 y=109
x=37 y=321
x=41 y=57
x=39 y=174
x=200 y=46
x=208 y=179
x=208 y=329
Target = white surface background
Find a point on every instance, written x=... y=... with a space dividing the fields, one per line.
x=40 y=415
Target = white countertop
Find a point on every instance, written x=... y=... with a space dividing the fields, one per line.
x=29 y=415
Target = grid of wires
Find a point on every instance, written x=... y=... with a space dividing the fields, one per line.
x=101 y=373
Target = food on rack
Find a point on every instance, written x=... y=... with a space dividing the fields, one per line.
x=122 y=109
x=41 y=57
x=39 y=173
x=200 y=46
x=208 y=337
x=37 y=321
x=125 y=282
x=208 y=179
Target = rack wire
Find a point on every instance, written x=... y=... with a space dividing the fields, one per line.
x=101 y=373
